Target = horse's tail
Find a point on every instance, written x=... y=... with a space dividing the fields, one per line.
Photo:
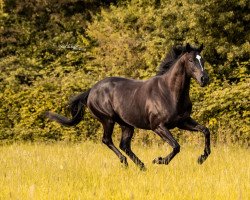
x=76 y=108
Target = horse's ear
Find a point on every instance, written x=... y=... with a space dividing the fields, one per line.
x=201 y=47
x=178 y=50
x=188 y=47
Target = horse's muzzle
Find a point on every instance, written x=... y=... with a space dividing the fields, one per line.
x=204 y=80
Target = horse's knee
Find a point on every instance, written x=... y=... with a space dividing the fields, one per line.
x=177 y=148
x=122 y=146
x=125 y=147
x=106 y=141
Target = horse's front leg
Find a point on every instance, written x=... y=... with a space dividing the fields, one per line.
x=192 y=125
x=168 y=137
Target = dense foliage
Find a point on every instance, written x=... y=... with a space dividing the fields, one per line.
x=51 y=50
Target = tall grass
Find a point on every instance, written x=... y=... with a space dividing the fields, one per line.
x=92 y=171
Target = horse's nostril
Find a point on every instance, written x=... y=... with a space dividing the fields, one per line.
x=202 y=79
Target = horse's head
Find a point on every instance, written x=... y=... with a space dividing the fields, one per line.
x=194 y=64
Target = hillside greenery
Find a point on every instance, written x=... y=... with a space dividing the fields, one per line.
x=52 y=50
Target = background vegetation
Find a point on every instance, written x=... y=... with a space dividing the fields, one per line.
x=51 y=50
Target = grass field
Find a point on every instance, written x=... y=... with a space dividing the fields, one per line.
x=92 y=171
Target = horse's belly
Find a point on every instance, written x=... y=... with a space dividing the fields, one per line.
x=133 y=116
x=138 y=123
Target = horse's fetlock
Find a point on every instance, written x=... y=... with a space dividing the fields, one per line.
x=106 y=141
x=206 y=131
x=207 y=151
x=124 y=160
x=177 y=149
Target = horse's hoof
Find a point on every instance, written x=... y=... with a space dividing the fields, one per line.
x=158 y=160
x=201 y=159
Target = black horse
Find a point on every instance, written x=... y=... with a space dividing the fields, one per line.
x=159 y=104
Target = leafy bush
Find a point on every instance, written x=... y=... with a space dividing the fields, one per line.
x=51 y=50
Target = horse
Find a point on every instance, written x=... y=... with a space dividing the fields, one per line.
x=160 y=104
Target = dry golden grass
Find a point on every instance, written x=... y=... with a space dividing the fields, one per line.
x=92 y=171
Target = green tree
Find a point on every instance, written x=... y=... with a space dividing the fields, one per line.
x=51 y=50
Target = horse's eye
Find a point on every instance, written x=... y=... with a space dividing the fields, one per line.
x=190 y=60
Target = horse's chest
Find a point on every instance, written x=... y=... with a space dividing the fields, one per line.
x=180 y=113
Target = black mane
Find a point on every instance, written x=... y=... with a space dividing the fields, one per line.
x=171 y=57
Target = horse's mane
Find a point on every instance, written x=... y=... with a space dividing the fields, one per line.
x=171 y=57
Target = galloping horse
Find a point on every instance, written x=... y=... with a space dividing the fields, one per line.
x=159 y=104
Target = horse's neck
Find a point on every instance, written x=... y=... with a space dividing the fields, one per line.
x=177 y=80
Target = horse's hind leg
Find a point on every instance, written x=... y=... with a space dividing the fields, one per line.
x=108 y=126
x=125 y=145
x=167 y=136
